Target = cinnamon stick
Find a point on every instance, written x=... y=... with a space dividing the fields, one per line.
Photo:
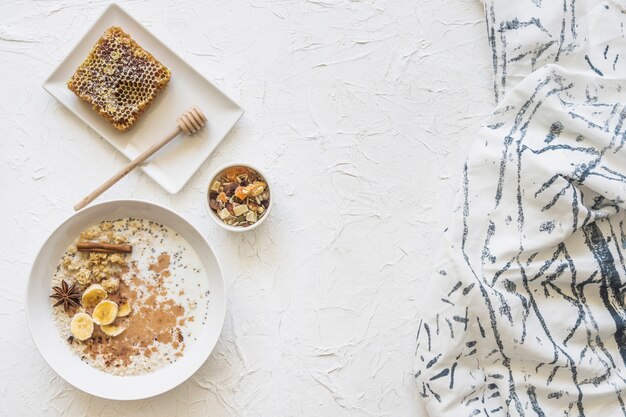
x=103 y=247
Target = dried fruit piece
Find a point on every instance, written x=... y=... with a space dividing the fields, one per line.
x=105 y=312
x=257 y=188
x=222 y=197
x=251 y=216
x=230 y=188
x=215 y=186
x=240 y=209
x=231 y=173
x=252 y=205
x=81 y=326
x=224 y=214
x=242 y=192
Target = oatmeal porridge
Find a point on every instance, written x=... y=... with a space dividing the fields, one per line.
x=129 y=296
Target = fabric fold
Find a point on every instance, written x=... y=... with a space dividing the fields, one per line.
x=525 y=314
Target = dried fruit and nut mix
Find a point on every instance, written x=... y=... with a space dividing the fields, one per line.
x=239 y=196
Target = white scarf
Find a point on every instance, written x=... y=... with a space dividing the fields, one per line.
x=525 y=315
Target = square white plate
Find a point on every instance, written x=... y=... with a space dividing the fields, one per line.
x=176 y=163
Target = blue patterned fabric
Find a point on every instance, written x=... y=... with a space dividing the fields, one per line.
x=525 y=315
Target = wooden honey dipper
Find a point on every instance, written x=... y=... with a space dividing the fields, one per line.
x=189 y=122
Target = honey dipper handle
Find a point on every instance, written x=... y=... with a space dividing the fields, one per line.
x=122 y=172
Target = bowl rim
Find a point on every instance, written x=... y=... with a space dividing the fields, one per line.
x=219 y=221
x=167 y=385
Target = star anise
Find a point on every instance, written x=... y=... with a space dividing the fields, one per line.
x=66 y=294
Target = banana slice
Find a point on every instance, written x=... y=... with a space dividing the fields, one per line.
x=81 y=326
x=105 y=312
x=111 y=329
x=124 y=309
x=93 y=295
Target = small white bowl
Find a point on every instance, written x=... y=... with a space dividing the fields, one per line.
x=54 y=348
x=219 y=221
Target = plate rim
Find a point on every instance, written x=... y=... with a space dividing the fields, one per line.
x=112 y=7
x=167 y=386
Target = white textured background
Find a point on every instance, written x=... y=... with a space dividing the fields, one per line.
x=361 y=113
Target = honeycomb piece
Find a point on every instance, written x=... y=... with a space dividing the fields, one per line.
x=119 y=78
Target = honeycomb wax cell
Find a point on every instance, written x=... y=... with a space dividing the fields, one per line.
x=119 y=78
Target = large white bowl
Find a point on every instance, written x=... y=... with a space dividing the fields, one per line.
x=54 y=348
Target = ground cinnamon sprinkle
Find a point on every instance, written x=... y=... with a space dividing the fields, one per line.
x=151 y=321
x=163 y=262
